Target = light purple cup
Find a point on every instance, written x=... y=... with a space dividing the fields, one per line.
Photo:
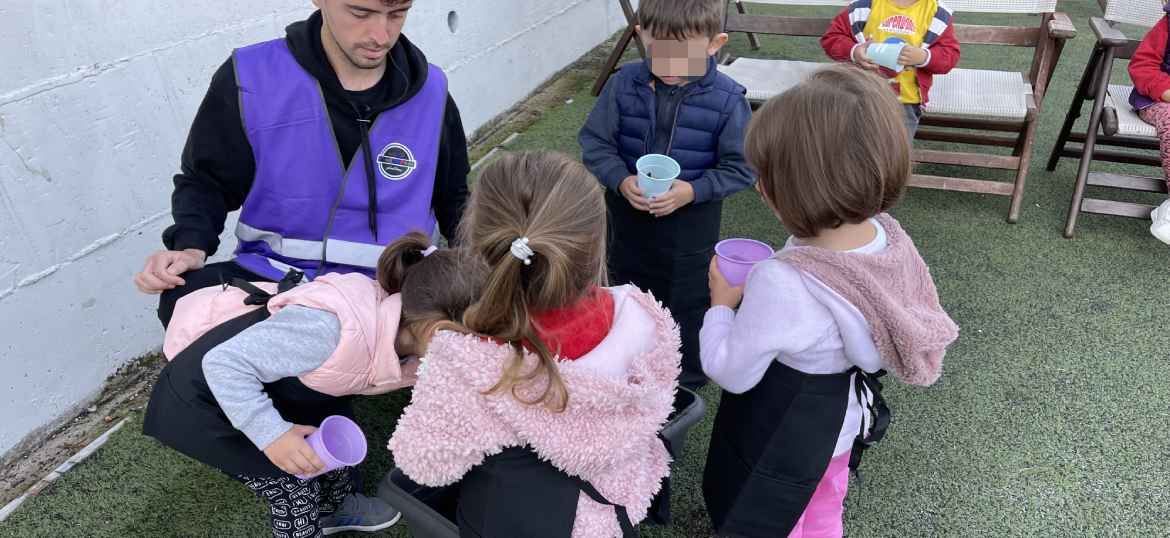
x=736 y=257
x=339 y=442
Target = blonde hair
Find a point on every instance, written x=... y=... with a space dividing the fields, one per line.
x=832 y=150
x=558 y=205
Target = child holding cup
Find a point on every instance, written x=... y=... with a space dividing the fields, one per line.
x=673 y=112
x=242 y=391
x=847 y=297
x=907 y=41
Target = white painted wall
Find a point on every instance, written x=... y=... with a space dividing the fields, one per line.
x=95 y=100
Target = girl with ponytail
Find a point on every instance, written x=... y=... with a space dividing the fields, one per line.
x=253 y=369
x=546 y=403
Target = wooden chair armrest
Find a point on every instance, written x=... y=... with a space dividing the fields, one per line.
x=1109 y=121
x=1106 y=33
x=1061 y=27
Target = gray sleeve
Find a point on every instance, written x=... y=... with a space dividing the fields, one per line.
x=292 y=342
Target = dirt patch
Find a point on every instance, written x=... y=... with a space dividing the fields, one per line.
x=124 y=392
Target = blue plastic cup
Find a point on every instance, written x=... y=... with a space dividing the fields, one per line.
x=656 y=173
x=886 y=55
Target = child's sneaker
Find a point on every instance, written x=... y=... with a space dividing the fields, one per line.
x=1161 y=225
x=359 y=513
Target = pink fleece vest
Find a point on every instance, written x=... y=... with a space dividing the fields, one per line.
x=364 y=362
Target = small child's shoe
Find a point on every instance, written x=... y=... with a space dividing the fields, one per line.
x=359 y=513
x=1160 y=227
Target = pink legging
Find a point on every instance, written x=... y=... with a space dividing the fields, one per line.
x=1158 y=115
x=822 y=516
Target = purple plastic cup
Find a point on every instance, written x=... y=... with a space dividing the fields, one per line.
x=339 y=442
x=736 y=257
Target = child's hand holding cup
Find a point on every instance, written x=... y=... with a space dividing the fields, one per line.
x=734 y=259
x=861 y=56
x=339 y=442
x=292 y=454
x=656 y=174
x=912 y=56
x=722 y=292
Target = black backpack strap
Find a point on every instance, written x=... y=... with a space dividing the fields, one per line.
x=623 y=516
x=868 y=388
x=290 y=280
x=256 y=296
x=259 y=297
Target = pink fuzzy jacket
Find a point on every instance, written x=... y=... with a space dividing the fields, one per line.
x=620 y=395
x=894 y=291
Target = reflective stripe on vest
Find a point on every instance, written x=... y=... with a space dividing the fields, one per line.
x=338 y=251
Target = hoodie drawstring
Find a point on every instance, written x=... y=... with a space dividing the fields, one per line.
x=371 y=186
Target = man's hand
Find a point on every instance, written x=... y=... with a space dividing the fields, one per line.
x=293 y=454
x=680 y=194
x=912 y=56
x=722 y=294
x=862 y=59
x=1166 y=96
x=164 y=267
x=633 y=193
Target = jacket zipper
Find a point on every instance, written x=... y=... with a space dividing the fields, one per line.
x=674 y=125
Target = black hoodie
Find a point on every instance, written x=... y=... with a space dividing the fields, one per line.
x=218 y=165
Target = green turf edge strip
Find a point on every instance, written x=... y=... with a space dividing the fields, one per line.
x=70 y=463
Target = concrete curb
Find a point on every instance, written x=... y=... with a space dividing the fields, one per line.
x=484 y=160
x=70 y=463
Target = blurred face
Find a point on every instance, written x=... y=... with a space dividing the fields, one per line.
x=677 y=61
x=363 y=30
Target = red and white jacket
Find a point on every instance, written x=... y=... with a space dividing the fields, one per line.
x=942 y=49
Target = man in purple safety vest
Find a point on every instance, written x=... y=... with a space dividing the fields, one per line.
x=332 y=141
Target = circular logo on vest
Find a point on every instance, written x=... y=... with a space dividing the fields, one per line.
x=395 y=162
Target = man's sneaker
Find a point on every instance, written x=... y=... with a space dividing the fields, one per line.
x=359 y=513
x=1161 y=225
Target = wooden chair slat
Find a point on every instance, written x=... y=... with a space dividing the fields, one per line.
x=945 y=183
x=1117 y=209
x=956 y=158
x=1123 y=181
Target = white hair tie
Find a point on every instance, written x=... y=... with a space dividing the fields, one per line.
x=522 y=251
x=430 y=250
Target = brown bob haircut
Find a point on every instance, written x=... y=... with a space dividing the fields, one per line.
x=681 y=19
x=832 y=150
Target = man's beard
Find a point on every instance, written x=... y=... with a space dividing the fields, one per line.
x=365 y=63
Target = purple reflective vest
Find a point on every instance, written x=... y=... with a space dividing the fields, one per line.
x=305 y=210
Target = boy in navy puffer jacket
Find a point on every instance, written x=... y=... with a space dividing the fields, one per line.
x=675 y=103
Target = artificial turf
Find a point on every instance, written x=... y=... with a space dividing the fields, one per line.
x=1050 y=418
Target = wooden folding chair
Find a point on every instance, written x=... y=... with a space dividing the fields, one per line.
x=967 y=106
x=619 y=50
x=1112 y=122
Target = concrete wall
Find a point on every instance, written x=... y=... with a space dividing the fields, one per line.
x=95 y=100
